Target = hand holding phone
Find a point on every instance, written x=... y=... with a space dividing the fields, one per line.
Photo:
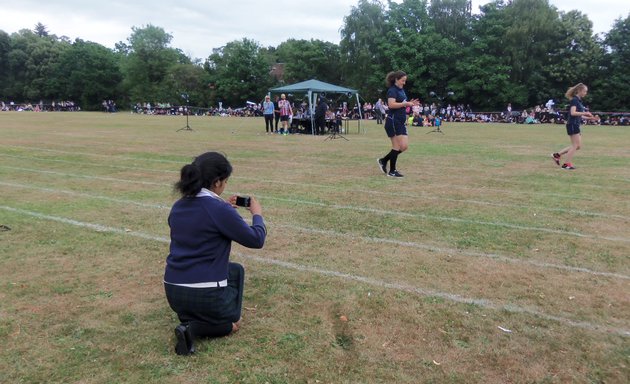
x=243 y=201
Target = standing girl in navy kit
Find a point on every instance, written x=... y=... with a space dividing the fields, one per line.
x=577 y=112
x=395 y=122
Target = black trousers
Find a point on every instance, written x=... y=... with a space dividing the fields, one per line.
x=268 y=123
x=320 y=124
x=277 y=119
x=212 y=306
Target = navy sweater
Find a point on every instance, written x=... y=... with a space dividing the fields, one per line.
x=202 y=231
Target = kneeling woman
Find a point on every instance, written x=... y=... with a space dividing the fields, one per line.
x=202 y=286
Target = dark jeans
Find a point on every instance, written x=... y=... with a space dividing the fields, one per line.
x=211 y=307
x=268 y=123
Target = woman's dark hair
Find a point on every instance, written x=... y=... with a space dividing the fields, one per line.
x=391 y=77
x=204 y=172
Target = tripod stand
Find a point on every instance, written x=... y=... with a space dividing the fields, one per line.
x=186 y=110
x=335 y=134
x=187 y=127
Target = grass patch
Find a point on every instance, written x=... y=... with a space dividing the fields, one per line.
x=485 y=264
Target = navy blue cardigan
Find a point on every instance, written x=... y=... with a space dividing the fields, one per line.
x=202 y=231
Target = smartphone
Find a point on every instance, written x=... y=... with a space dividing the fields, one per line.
x=243 y=201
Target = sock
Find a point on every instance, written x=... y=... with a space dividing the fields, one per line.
x=389 y=156
x=393 y=160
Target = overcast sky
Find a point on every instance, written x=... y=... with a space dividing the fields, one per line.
x=197 y=26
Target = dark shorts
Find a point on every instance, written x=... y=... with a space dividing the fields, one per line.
x=573 y=129
x=284 y=118
x=214 y=306
x=395 y=127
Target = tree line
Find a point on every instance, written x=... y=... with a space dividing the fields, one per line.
x=522 y=52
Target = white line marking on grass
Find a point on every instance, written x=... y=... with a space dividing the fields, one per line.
x=363 y=209
x=361 y=191
x=454 y=219
x=350 y=236
x=98 y=154
x=444 y=295
x=74 y=162
x=82 y=194
x=484 y=303
x=428 y=196
x=480 y=222
x=85 y=176
x=96 y=227
x=493 y=256
x=310 y=164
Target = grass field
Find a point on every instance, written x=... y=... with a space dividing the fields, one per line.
x=485 y=264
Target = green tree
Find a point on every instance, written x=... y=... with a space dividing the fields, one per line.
x=147 y=64
x=238 y=72
x=611 y=92
x=5 y=49
x=363 y=43
x=415 y=47
x=530 y=36
x=40 y=30
x=31 y=62
x=306 y=59
x=483 y=71
x=189 y=79
x=574 y=56
x=88 y=73
x=452 y=19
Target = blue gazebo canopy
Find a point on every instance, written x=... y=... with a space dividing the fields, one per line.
x=313 y=86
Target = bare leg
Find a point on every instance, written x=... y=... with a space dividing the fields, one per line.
x=400 y=143
x=576 y=143
x=564 y=151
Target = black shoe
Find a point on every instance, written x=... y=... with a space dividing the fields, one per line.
x=184 y=346
x=382 y=166
x=395 y=173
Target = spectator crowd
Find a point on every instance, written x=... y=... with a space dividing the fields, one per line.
x=421 y=115
x=54 y=106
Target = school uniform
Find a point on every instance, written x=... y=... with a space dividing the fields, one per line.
x=201 y=283
x=396 y=117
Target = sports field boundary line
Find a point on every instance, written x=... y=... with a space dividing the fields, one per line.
x=236 y=158
x=363 y=191
x=432 y=248
x=484 y=303
x=362 y=209
x=422 y=196
x=594 y=186
x=326 y=232
x=83 y=194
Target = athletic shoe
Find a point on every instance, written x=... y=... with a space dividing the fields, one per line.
x=382 y=166
x=395 y=173
x=556 y=157
x=567 y=166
